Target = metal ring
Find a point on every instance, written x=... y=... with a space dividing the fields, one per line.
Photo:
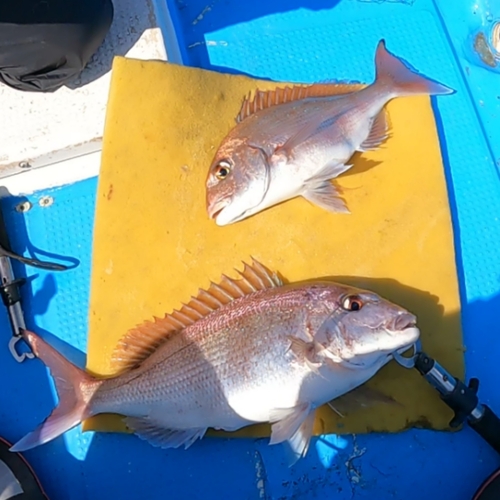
x=408 y=362
x=12 y=348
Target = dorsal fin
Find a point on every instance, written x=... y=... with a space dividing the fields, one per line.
x=267 y=98
x=140 y=342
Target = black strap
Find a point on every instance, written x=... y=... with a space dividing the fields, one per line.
x=6 y=251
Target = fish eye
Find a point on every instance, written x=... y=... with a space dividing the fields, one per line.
x=352 y=303
x=222 y=170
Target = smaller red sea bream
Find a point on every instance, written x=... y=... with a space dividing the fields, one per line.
x=293 y=141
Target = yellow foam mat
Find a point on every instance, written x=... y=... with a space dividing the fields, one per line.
x=154 y=245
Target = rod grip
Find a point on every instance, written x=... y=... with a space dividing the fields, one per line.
x=488 y=427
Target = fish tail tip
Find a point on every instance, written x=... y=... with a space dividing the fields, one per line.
x=24 y=444
x=41 y=435
x=446 y=90
x=16 y=448
x=54 y=426
x=392 y=71
x=74 y=387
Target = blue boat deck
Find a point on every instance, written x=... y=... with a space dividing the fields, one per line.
x=304 y=41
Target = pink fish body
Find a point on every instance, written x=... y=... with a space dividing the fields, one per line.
x=245 y=351
x=294 y=141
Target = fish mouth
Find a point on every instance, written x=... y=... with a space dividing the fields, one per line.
x=215 y=209
x=402 y=322
x=411 y=339
x=405 y=332
x=221 y=216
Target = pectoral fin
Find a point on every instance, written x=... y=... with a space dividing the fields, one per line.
x=305 y=351
x=326 y=196
x=295 y=426
x=322 y=192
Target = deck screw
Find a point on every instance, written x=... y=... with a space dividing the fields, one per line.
x=23 y=207
x=46 y=201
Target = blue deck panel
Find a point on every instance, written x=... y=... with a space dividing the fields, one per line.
x=298 y=40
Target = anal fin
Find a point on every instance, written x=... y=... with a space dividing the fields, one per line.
x=161 y=437
x=378 y=133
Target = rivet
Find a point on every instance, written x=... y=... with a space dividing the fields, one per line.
x=46 y=201
x=23 y=207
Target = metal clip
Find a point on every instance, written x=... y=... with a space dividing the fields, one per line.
x=12 y=348
x=408 y=362
x=10 y=288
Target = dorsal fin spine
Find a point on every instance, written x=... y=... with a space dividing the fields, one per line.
x=203 y=294
x=192 y=311
x=140 y=342
x=202 y=304
x=280 y=95
x=182 y=318
x=222 y=291
x=234 y=286
x=255 y=275
x=265 y=276
x=175 y=322
x=245 y=280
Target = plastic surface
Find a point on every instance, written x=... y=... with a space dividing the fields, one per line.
x=157 y=149
x=410 y=465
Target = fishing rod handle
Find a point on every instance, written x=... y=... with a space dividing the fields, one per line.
x=488 y=427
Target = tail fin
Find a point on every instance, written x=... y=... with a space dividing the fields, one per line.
x=74 y=387
x=393 y=73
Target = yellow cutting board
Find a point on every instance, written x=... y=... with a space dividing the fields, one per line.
x=154 y=245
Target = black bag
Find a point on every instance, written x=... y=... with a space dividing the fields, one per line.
x=46 y=43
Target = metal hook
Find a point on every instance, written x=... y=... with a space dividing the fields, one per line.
x=12 y=348
x=408 y=362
